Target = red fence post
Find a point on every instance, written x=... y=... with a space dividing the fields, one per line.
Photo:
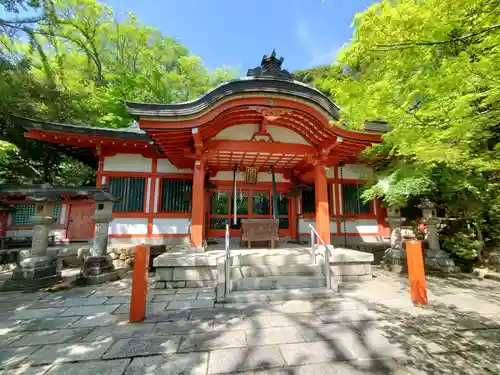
x=139 y=284
x=416 y=272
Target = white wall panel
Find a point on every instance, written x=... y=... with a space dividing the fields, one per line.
x=148 y=194
x=304 y=225
x=165 y=166
x=62 y=215
x=129 y=226
x=281 y=134
x=127 y=163
x=330 y=172
x=157 y=195
x=360 y=226
x=244 y=132
x=333 y=201
x=171 y=226
x=356 y=172
x=241 y=132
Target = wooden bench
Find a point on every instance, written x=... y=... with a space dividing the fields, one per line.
x=259 y=230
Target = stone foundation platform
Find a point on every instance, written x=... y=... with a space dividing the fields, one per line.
x=192 y=270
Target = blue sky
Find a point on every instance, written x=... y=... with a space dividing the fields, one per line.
x=237 y=33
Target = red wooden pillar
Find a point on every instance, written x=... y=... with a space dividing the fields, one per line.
x=321 y=195
x=292 y=222
x=198 y=204
x=416 y=273
x=139 y=284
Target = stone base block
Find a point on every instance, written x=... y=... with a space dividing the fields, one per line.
x=395 y=260
x=494 y=260
x=27 y=273
x=98 y=270
x=32 y=279
x=351 y=278
x=185 y=271
x=100 y=279
x=350 y=265
x=195 y=273
x=185 y=284
x=438 y=260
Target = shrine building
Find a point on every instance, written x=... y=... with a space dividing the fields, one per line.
x=263 y=146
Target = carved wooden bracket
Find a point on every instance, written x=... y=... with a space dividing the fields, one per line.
x=270 y=114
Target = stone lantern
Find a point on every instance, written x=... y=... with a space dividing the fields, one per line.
x=35 y=267
x=395 y=256
x=434 y=258
x=98 y=267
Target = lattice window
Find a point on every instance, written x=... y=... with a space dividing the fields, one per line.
x=283 y=210
x=308 y=202
x=220 y=203
x=241 y=202
x=57 y=212
x=129 y=191
x=353 y=204
x=218 y=222
x=261 y=204
x=23 y=214
x=176 y=195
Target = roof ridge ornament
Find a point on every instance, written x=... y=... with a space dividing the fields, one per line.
x=270 y=66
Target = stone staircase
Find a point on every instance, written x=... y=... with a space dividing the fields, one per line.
x=264 y=277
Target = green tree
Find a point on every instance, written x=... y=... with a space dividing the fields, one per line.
x=80 y=62
x=430 y=69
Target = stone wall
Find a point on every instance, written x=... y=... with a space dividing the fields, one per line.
x=350 y=265
x=185 y=271
x=191 y=270
x=185 y=277
x=121 y=255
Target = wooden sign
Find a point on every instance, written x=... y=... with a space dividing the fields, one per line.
x=251 y=175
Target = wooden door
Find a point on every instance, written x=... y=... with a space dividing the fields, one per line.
x=3 y=223
x=80 y=222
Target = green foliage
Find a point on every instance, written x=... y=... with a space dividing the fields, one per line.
x=78 y=63
x=462 y=243
x=430 y=69
x=396 y=185
x=322 y=77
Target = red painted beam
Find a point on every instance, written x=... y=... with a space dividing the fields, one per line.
x=259 y=146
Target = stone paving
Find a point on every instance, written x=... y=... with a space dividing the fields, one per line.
x=370 y=328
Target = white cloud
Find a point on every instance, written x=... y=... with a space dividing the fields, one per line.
x=318 y=54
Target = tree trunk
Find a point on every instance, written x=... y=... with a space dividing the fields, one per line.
x=480 y=237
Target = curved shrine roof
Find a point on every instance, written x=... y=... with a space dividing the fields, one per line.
x=267 y=96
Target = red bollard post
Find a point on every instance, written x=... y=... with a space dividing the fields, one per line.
x=416 y=272
x=139 y=284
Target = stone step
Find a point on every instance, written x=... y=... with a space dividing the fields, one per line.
x=279 y=295
x=278 y=282
x=271 y=259
x=239 y=272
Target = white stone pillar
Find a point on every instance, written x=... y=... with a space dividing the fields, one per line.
x=435 y=259
x=36 y=268
x=395 y=256
x=98 y=267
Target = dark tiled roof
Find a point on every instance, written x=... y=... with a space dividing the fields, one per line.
x=123 y=133
x=37 y=189
x=376 y=127
x=244 y=85
x=83 y=154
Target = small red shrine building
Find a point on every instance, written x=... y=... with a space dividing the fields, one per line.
x=176 y=171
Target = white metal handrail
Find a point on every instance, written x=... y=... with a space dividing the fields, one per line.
x=327 y=255
x=227 y=264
